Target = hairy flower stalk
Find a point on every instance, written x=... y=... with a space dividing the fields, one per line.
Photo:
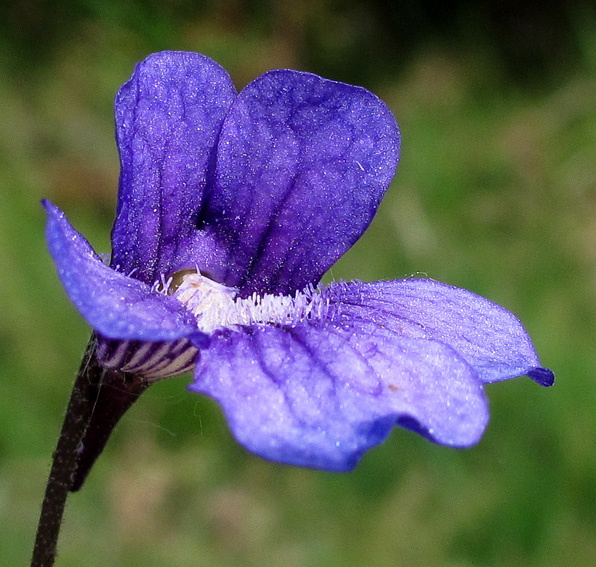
x=76 y=421
x=231 y=208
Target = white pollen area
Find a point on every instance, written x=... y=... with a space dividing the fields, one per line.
x=216 y=306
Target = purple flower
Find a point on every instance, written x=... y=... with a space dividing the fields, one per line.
x=231 y=208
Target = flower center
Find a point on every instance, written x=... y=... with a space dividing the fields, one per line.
x=216 y=306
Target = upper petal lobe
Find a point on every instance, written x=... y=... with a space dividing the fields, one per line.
x=168 y=117
x=302 y=165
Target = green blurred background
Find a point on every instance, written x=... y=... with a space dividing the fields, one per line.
x=496 y=192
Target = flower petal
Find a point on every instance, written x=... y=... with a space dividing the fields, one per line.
x=487 y=336
x=168 y=117
x=321 y=396
x=116 y=306
x=302 y=165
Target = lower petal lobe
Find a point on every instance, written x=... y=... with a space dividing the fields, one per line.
x=116 y=306
x=320 y=396
x=489 y=337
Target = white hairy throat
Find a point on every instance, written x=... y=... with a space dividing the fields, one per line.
x=216 y=306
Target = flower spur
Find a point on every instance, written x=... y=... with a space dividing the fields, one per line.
x=231 y=207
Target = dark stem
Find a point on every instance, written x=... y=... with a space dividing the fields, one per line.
x=78 y=416
x=112 y=399
x=99 y=399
